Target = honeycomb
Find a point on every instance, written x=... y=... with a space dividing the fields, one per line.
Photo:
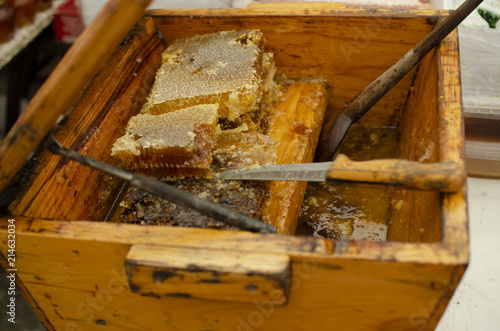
x=237 y=148
x=269 y=94
x=223 y=68
x=172 y=144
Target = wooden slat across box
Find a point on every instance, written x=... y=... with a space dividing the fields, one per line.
x=81 y=273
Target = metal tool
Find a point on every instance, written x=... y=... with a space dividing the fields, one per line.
x=335 y=128
x=163 y=190
x=445 y=176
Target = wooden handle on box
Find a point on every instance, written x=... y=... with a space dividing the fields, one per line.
x=445 y=176
x=223 y=275
x=81 y=62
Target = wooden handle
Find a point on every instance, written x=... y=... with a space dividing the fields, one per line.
x=445 y=176
x=164 y=271
x=80 y=63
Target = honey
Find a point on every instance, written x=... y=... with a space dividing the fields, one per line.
x=223 y=68
x=352 y=211
x=173 y=144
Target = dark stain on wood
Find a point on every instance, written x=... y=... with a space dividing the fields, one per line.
x=58 y=314
x=178 y=295
x=430 y=21
x=160 y=276
x=210 y=281
x=195 y=268
x=134 y=288
x=151 y=294
x=251 y=288
x=332 y=267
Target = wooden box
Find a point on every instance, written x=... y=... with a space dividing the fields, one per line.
x=81 y=273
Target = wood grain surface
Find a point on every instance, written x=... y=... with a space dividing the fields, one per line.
x=65 y=189
x=80 y=63
x=295 y=126
x=73 y=272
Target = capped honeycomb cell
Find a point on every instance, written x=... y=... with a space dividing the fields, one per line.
x=223 y=68
x=269 y=94
x=172 y=144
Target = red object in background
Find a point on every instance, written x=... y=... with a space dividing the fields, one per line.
x=68 y=22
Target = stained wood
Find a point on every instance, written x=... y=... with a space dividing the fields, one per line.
x=79 y=64
x=336 y=127
x=95 y=121
x=296 y=127
x=85 y=283
x=220 y=275
x=423 y=140
x=75 y=273
x=419 y=142
x=454 y=206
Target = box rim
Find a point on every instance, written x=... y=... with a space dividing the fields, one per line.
x=445 y=251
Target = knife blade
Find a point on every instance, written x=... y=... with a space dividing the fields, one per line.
x=309 y=172
x=444 y=176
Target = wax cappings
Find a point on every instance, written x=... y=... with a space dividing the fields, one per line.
x=223 y=68
x=176 y=143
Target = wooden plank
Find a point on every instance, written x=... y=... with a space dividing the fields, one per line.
x=454 y=206
x=419 y=142
x=75 y=271
x=84 y=285
x=72 y=73
x=404 y=252
x=93 y=125
x=295 y=126
x=220 y=275
x=423 y=138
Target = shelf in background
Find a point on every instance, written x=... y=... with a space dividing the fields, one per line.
x=25 y=35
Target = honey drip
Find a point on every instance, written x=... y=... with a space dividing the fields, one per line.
x=352 y=211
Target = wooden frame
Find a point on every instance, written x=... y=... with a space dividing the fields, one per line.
x=72 y=269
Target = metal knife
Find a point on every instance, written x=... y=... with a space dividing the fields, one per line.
x=445 y=176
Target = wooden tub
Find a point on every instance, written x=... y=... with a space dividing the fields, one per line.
x=80 y=273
